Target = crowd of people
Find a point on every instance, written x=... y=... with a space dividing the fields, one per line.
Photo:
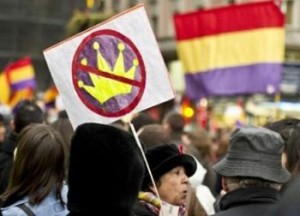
x=53 y=169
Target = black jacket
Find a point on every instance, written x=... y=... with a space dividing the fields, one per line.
x=248 y=202
x=141 y=210
x=6 y=159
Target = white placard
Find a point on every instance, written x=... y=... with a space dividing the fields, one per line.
x=110 y=70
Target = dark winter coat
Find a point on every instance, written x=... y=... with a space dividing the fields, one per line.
x=248 y=202
x=6 y=159
x=142 y=210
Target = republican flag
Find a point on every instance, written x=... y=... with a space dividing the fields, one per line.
x=4 y=89
x=238 y=49
x=20 y=80
x=17 y=96
x=21 y=74
x=50 y=96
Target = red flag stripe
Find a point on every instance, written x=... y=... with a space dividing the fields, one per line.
x=228 y=19
x=19 y=63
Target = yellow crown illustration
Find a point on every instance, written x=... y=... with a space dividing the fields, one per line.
x=105 y=88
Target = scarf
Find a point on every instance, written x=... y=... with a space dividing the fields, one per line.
x=152 y=203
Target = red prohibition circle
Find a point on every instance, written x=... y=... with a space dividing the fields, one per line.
x=139 y=85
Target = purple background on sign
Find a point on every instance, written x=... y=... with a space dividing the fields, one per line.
x=109 y=50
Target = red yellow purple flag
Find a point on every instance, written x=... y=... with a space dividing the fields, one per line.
x=4 y=89
x=50 y=96
x=22 y=94
x=237 y=49
x=21 y=80
x=21 y=74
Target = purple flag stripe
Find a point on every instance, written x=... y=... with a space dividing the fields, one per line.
x=234 y=80
x=30 y=83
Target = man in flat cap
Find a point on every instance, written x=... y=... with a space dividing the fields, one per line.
x=251 y=172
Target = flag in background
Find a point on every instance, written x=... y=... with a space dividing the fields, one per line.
x=5 y=89
x=20 y=81
x=22 y=94
x=50 y=96
x=237 y=49
x=21 y=74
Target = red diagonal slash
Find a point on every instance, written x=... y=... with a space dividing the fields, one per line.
x=109 y=75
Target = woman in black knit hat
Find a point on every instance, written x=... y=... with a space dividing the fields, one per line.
x=170 y=169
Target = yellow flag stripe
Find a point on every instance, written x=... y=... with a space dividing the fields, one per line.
x=20 y=95
x=22 y=73
x=232 y=49
x=5 y=89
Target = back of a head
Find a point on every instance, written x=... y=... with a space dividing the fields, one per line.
x=64 y=126
x=283 y=127
x=175 y=121
x=40 y=163
x=1 y=118
x=254 y=152
x=106 y=161
x=200 y=139
x=152 y=135
x=141 y=119
x=27 y=112
x=289 y=129
x=63 y=114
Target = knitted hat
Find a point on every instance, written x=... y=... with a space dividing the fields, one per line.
x=163 y=158
x=104 y=162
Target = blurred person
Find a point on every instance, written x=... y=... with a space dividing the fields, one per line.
x=141 y=119
x=153 y=135
x=65 y=128
x=221 y=150
x=170 y=169
x=193 y=206
x=289 y=129
x=2 y=130
x=202 y=193
x=221 y=142
x=114 y=153
x=27 y=112
x=289 y=203
x=36 y=182
x=198 y=143
x=120 y=124
x=62 y=114
x=173 y=123
x=251 y=172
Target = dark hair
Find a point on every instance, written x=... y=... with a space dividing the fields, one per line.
x=293 y=148
x=283 y=127
x=39 y=165
x=142 y=119
x=1 y=118
x=175 y=121
x=64 y=127
x=27 y=112
x=289 y=129
x=152 y=135
x=201 y=141
x=63 y=114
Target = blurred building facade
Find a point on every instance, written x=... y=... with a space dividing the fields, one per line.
x=28 y=27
